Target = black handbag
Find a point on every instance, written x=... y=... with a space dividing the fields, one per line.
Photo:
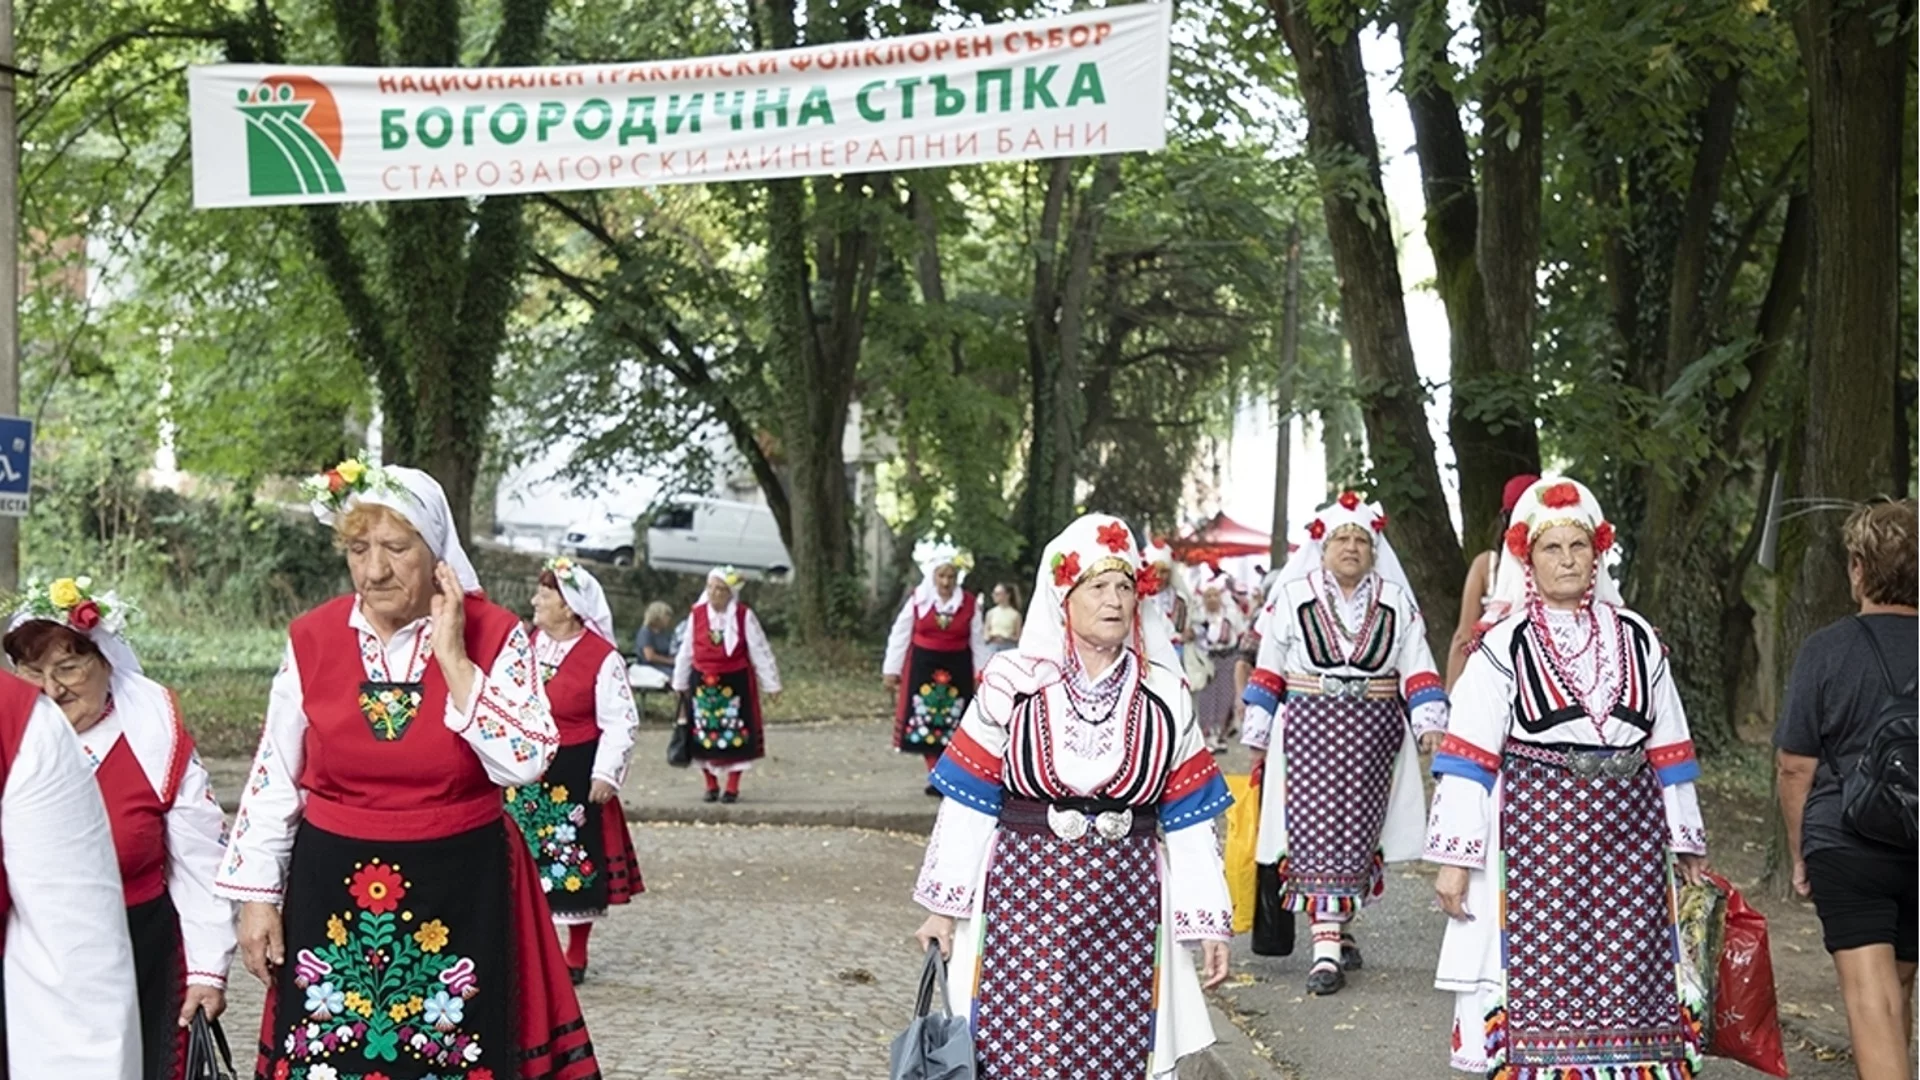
x=208 y=1056
x=680 y=743
x=1272 y=922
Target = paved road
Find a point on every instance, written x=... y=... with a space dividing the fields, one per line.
x=758 y=953
x=1388 y=1021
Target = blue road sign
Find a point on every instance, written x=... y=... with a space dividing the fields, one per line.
x=16 y=464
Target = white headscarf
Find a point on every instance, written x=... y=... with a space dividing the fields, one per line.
x=1348 y=509
x=108 y=634
x=1212 y=580
x=1549 y=502
x=409 y=492
x=584 y=597
x=729 y=623
x=1091 y=545
x=926 y=595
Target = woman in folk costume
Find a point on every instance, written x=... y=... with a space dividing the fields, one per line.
x=1344 y=683
x=939 y=642
x=572 y=819
x=1162 y=585
x=1214 y=635
x=388 y=902
x=1073 y=869
x=726 y=663
x=70 y=1002
x=168 y=830
x=1565 y=804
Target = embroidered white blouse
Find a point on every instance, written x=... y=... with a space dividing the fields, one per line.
x=263 y=830
x=759 y=651
x=613 y=707
x=71 y=1006
x=196 y=826
x=901 y=636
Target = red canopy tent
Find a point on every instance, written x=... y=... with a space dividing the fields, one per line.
x=1221 y=538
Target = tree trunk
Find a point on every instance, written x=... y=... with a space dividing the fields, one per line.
x=1283 y=395
x=1856 y=90
x=1499 y=398
x=1333 y=82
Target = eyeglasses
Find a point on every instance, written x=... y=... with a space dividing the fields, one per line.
x=67 y=673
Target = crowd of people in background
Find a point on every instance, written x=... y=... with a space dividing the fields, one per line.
x=1073 y=745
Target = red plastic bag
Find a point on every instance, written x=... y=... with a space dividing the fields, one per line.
x=1746 y=1017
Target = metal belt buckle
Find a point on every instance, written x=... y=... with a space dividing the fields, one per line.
x=1585 y=764
x=1624 y=764
x=1336 y=686
x=1066 y=824
x=1114 y=824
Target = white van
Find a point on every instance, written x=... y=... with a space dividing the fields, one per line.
x=692 y=534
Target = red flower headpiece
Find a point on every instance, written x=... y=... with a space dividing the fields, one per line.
x=1350 y=500
x=1148 y=582
x=1603 y=537
x=1519 y=540
x=1560 y=496
x=1066 y=569
x=1114 y=536
x=1316 y=529
x=1380 y=523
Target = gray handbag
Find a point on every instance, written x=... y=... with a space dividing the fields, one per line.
x=935 y=1046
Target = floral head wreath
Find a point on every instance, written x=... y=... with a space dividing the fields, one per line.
x=354 y=476
x=1546 y=505
x=961 y=561
x=1348 y=509
x=71 y=602
x=563 y=570
x=728 y=576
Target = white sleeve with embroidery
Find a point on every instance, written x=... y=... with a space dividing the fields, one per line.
x=956 y=852
x=683 y=662
x=1260 y=725
x=510 y=725
x=262 y=838
x=70 y=999
x=764 y=667
x=1460 y=824
x=1416 y=658
x=618 y=719
x=196 y=839
x=898 y=639
x=1686 y=829
x=1197 y=880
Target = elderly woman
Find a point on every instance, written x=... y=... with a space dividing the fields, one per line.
x=1344 y=683
x=1073 y=871
x=1214 y=642
x=167 y=826
x=653 y=644
x=939 y=641
x=572 y=818
x=1565 y=800
x=723 y=664
x=388 y=902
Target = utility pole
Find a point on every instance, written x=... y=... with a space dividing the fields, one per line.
x=9 y=277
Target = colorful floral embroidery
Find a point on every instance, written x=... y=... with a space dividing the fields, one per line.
x=1066 y=568
x=1113 y=536
x=376 y=987
x=390 y=707
x=717 y=720
x=551 y=821
x=937 y=708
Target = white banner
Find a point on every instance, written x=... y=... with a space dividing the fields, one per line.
x=1094 y=82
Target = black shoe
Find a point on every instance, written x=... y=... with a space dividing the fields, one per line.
x=730 y=797
x=577 y=974
x=712 y=795
x=933 y=791
x=1350 y=958
x=1325 y=978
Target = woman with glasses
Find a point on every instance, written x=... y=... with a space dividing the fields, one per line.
x=167 y=826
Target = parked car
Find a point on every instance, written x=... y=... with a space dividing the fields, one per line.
x=608 y=539
x=691 y=534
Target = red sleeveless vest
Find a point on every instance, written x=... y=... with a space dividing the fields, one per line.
x=711 y=657
x=360 y=786
x=956 y=636
x=138 y=814
x=17 y=698
x=570 y=692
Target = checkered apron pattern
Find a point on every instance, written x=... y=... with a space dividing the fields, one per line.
x=1340 y=753
x=1067 y=968
x=1589 y=934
